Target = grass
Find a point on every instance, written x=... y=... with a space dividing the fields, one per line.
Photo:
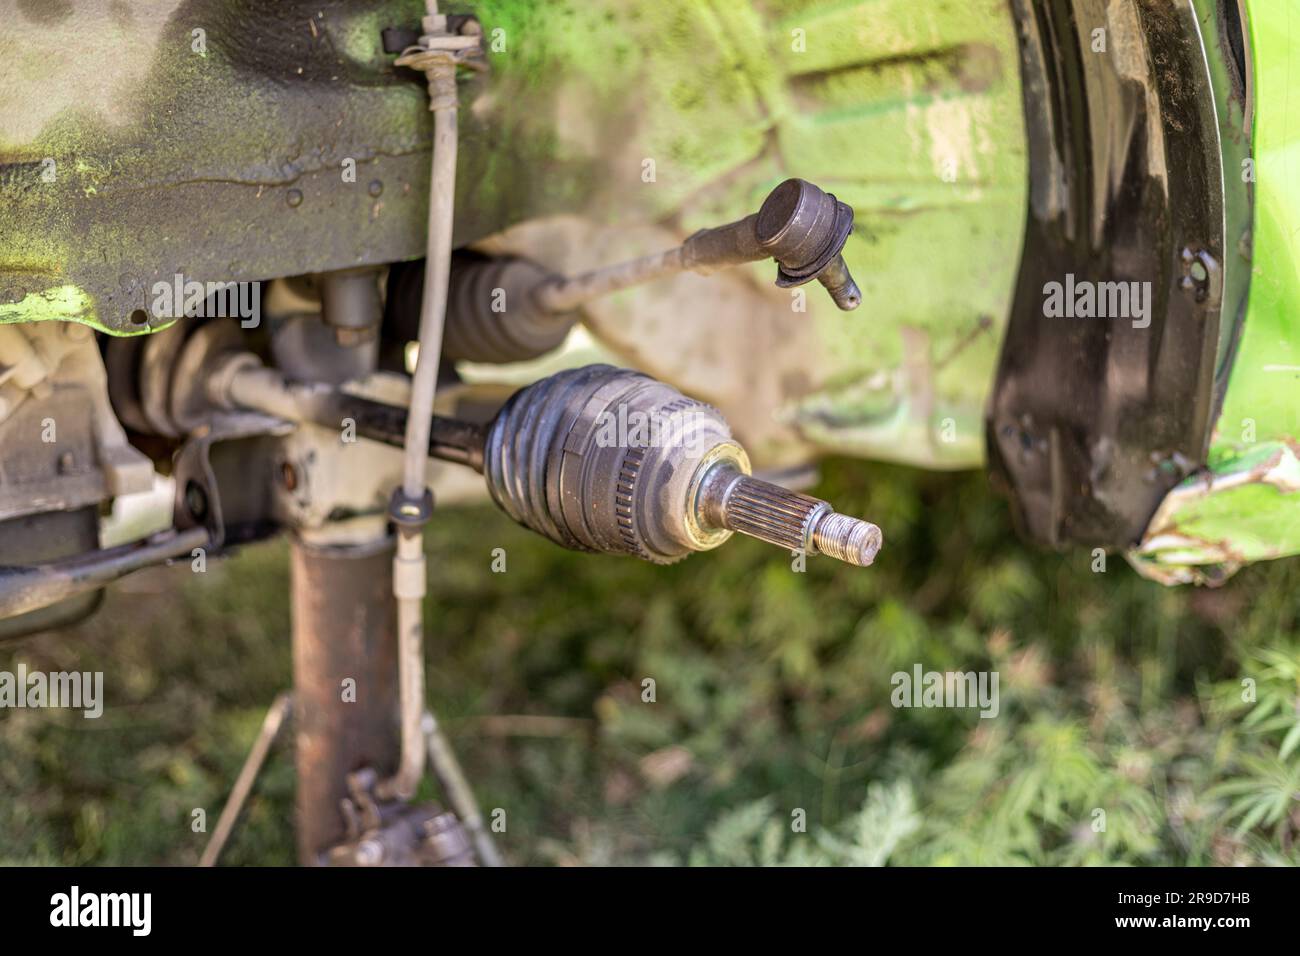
x=1125 y=732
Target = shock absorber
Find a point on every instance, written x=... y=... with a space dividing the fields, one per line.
x=609 y=460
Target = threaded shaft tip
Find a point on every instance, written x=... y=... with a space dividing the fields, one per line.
x=848 y=539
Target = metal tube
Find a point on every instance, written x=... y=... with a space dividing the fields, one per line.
x=251 y=385
x=457 y=791
x=28 y=587
x=800 y=226
x=442 y=193
x=729 y=245
x=566 y=294
x=272 y=724
x=345 y=674
x=409 y=575
x=409 y=572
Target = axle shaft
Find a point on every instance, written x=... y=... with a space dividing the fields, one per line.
x=730 y=499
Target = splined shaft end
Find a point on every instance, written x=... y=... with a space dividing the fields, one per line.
x=730 y=499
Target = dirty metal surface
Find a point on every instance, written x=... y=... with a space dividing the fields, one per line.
x=228 y=166
x=133 y=148
x=1094 y=419
x=1244 y=505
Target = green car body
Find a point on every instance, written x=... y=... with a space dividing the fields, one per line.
x=600 y=116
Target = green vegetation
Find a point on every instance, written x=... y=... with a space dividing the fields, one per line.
x=1118 y=698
